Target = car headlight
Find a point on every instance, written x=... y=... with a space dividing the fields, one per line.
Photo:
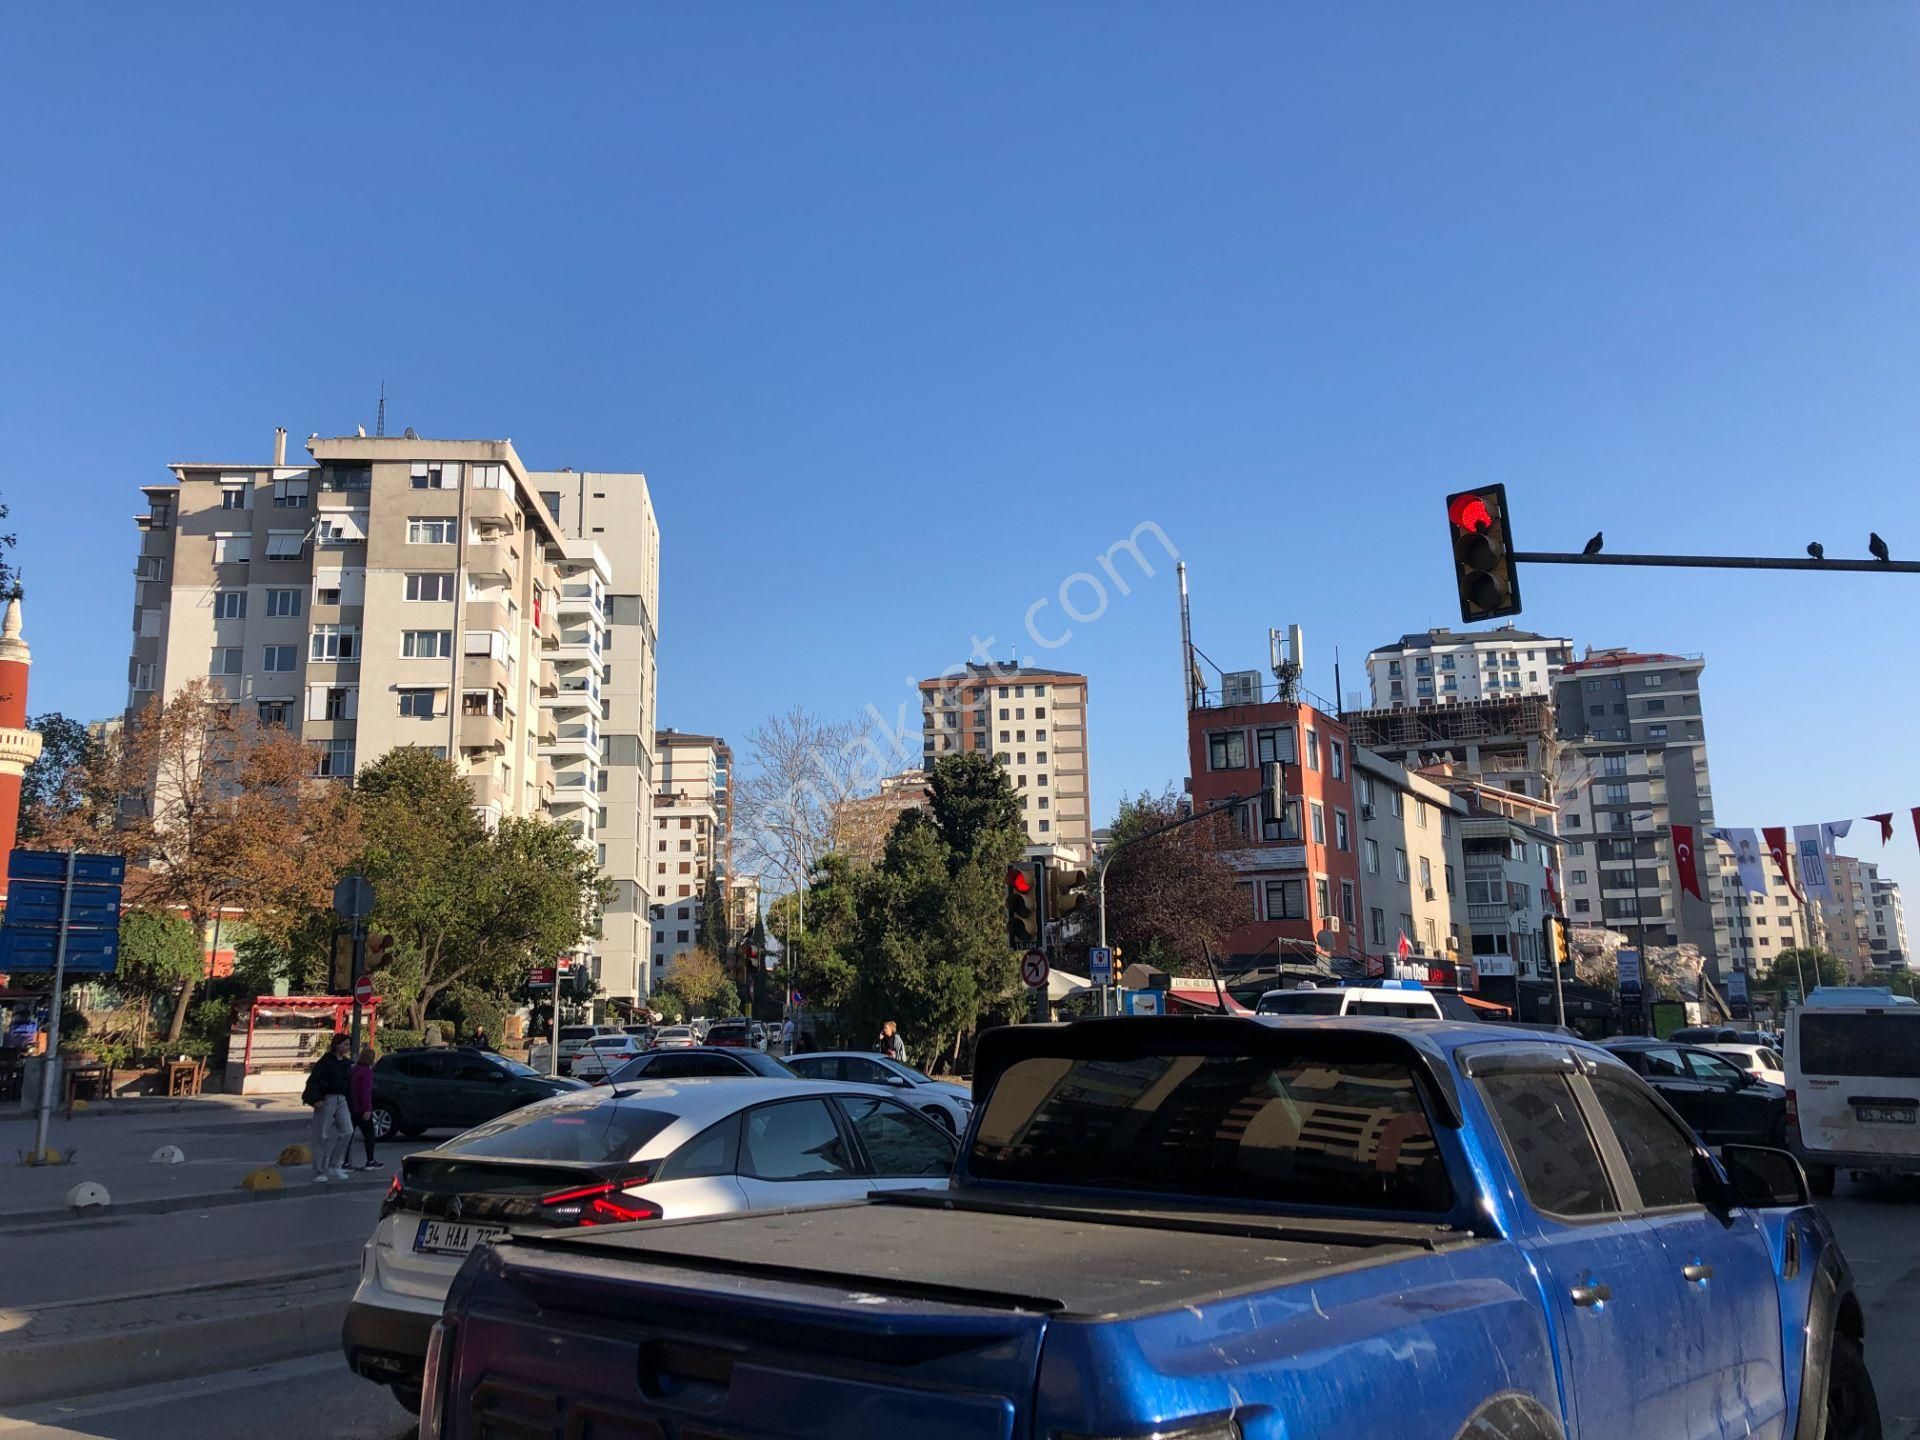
x=1224 y=1428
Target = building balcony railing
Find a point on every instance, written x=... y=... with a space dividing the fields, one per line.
x=548 y=679
x=483 y=732
x=493 y=557
x=491 y=504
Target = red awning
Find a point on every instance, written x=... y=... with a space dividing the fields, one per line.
x=1505 y=1011
x=1205 y=999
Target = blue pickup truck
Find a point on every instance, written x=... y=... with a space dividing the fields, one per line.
x=1210 y=1229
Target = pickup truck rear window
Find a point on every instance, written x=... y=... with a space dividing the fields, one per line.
x=1219 y=1127
x=1861 y=1045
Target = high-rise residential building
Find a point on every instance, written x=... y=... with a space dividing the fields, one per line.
x=1455 y=667
x=1761 y=925
x=1633 y=763
x=861 y=825
x=1888 y=918
x=692 y=839
x=1848 y=915
x=614 y=512
x=1410 y=861
x=1035 y=722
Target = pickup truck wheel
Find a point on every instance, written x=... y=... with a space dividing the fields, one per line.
x=1820 y=1179
x=1853 y=1411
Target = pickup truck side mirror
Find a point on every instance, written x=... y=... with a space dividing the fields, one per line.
x=1763 y=1178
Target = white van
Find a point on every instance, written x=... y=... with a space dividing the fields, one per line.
x=1390 y=999
x=1853 y=1083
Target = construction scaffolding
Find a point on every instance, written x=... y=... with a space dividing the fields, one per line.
x=1509 y=742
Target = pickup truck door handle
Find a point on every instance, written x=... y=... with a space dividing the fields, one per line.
x=1592 y=1294
x=1697 y=1271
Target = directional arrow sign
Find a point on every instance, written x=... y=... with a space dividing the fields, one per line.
x=1033 y=969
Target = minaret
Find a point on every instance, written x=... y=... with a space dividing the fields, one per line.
x=19 y=746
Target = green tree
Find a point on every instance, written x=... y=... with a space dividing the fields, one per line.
x=712 y=935
x=973 y=806
x=1171 y=896
x=697 y=985
x=64 y=779
x=1804 y=968
x=820 y=939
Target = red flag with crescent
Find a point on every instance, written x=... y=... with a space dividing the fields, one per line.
x=1885 y=822
x=1684 y=863
x=1776 y=838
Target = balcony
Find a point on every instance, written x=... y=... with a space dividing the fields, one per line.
x=487 y=615
x=577 y=600
x=492 y=506
x=549 y=628
x=489 y=793
x=548 y=679
x=484 y=672
x=573 y=694
x=577 y=644
x=571 y=791
x=493 y=557
x=574 y=740
x=545 y=728
x=483 y=732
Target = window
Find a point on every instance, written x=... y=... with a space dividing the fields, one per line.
x=334 y=642
x=1322 y=897
x=1426 y=874
x=276 y=713
x=417 y=703
x=1654 y=681
x=1370 y=849
x=1548 y=1142
x=1313 y=749
x=491 y=477
x=797 y=1140
x=346 y=479
x=337 y=530
x=233 y=549
x=436 y=475
x=1286 y=900
x=1399 y=804
x=233 y=497
x=1577 y=877
x=426 y=644
x=149 y=567
x=326 y=595
x=143 y=675
x=899 y=1141
x=281 y=603
x=430 y=530
x=1593 y=685
x=436 y=586
x=1400 y=871
x=230 y=605
x=1346 y=901
x=1317 y=813
x=1276 y=745
x=1337 y=754
x=1656 y=732
x=279 y=659
x=291 y=493
x=1342 y=839
x=226 y=660
x=551 y=499
x=336 y=758
x=1227 y=750
x=1711 y=1068
x=1658 y=1154
x=1377 y=925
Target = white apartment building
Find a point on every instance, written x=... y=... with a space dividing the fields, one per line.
x=1761 y=925
x=1507 y=847
x=1035 y=722
x=1889 y=920
x=693 y=839
x=1411 y=861
x=1448 y=667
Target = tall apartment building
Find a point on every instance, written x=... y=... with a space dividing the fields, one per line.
x=1035 y=722
x=692 y=838
x=1449 y=667
x=1632 y=763
x=1507 y=847
x=614 y=512
x=395 y=591
x=1888 y=940
x=1849 y=915
x=862 y=825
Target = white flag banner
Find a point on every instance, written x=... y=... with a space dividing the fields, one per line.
x=1832 y=831
x=1749 y=855
x=1815 y=883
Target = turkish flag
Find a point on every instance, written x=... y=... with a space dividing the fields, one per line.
x=1683 y=860
x=1403 y=949
x=1885 y=822
x=1776 y=838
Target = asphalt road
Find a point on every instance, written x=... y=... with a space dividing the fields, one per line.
x=317 y=1399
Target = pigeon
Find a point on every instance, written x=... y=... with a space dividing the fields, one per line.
x=1593 y=546
x=1817 y=550
x=1877 y=547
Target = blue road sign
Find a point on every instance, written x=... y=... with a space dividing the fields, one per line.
x=1145 y=1002
x=36 y=903
x=52 y=865
x=90 y=952
x=1100 y=964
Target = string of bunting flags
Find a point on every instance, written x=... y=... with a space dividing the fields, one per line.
x=1807 y=848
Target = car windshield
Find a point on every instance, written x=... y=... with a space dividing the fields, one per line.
x=1861 y=1045
x=1300 y=1002
x=917 y=1076
x=1256 y=1129
x=594 y=1130
x=514 y=1067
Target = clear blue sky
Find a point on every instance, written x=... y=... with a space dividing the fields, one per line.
x=910 y=311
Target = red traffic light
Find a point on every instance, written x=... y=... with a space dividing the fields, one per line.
x=1018 y=880
x=1469 y=512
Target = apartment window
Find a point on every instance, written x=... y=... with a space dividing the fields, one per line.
x=1322 y=896
x=1366 y=789
x=143 y=675
x=1004 y=714
x=1040 y=757
x=291 y=493
x=1400 y=871
x=276 y=713
x=1656 y=732
x=334 y=642
x=1654 y=681
x=346 y=479
x=426 y=644
x=551 y=499
x=1420 y=813
x=1045 y=826
x=232 y=549
x=343 y=530
x=1286 y=900
x=326 y=595
x=278 y=659
x=233 y=497
x=281 y=603
x=1227 y=750
x=1450 y=885
x=1341 y=836
x=1043 y=802
x=436 y=475
x=149 y=567
x=336 y=758
x=1318 y=815
x=1377 y=926
x=1574 y=822
x=1617 y=794
x=1577 y=877
x=1426 y=875
x=489 y=477
x=1399 y=804
x=1039 y=711
x=1337 y=754
x=1346 y=901
x=1276 y=746
x=338 y=702
x=1593 y=686
x=435 y=586
x=226 y=660
x=1003 y=736
x=430 y=530
x=1370 y=850
x=1313 y=749
x=1039 y=734
x=1578 y=847
x=1657 y=706
x=230 y=605
x=1613 y=765
x=285 y=544
x=417 y=703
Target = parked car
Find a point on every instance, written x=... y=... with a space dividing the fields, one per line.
x=943 y=1101
x=1715 y=1096
x=1392 y=999
x=664 y=1150
x=452 y=1088
x=730 y=1035
x=1853 y=1083
x=574 y=1039
x=1211 y=1228
x=700 y=1063
x=674 y=1037
x=1760 y=1061
x=604 y=1054
x=1724 y=1035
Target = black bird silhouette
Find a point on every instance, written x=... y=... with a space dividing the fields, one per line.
x=1817 y=550
x=1877 y=547
x=1593 y=546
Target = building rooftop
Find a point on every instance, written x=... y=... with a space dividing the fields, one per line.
x=1608 y=659
x=1441 y=635
x=999 y=674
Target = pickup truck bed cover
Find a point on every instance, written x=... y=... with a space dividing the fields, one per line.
x=1073 y=1257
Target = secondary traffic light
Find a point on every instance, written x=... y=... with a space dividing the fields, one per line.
x=1483 y=553
x=1023 y=906
x=1554 y=933
x=1065 y=892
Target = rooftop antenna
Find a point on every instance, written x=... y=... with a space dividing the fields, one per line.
x=380 y=420
x=1286 y=650
x=1189 y=672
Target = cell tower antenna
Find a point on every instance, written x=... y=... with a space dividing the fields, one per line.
x=380 y=420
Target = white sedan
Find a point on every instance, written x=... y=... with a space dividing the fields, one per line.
x=1759 y=1061
x=603 y=1055
x=941 y=1101
x=655 y=1150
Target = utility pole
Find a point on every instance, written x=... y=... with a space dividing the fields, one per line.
x=48 y=1071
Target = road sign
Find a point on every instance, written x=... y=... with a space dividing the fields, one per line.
x=540 y=976
x=1145 y=1002
x=1033 y=969
x=353 y=898
x=38 y=902
x=1628 y=962
x=91 y=952
x=363 y=990
x=52 y=865
x=1100 y=964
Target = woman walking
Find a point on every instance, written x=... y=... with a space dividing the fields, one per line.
x=360 y=1097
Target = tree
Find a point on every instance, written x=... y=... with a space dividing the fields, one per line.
x=820 y=946
x=697 y=985
x=713 y=933
x=1170 y=896
x=972 y=803
x=63 y=780
x=804 y=771
x=1805 y=968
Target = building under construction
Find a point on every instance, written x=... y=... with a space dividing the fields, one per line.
x=1509 y=742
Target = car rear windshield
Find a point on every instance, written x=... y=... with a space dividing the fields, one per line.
x=1886 y=1045
x=726 y=1032
x=577 y=1032
x=1301 y=1002
x=1281 y=1130
x=595 y=1131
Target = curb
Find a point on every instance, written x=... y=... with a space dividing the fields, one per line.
x=240 y=1330
x=164 y=1205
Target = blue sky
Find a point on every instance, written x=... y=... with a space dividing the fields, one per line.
x=908 y=312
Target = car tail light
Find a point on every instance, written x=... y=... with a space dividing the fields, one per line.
x=602 y=1204
x=1793 y=1112
x=391 y=1201
x=438 y=1380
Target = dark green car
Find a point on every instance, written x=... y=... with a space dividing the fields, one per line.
x=452 y=1088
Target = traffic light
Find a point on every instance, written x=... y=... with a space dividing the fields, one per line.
x=1554 y=932
x=1023 y=906
x=1065 y=892
x=1483 y=554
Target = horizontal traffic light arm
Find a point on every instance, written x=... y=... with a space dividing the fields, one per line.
x=1716 y=562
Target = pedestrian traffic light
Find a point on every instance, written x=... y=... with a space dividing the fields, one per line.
x=1483 y=565
x=1023 y=906
x=1065 y=892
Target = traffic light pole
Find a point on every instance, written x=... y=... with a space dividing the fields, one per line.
x=1716 y=562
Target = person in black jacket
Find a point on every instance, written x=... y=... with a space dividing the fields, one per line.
x=326 y=1091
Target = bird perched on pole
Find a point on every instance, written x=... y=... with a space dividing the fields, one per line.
x=1817 y=550
x=1877 y=547
x=1594 y=545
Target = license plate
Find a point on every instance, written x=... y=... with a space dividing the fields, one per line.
x=446 y=1237
x=1884 y=1114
